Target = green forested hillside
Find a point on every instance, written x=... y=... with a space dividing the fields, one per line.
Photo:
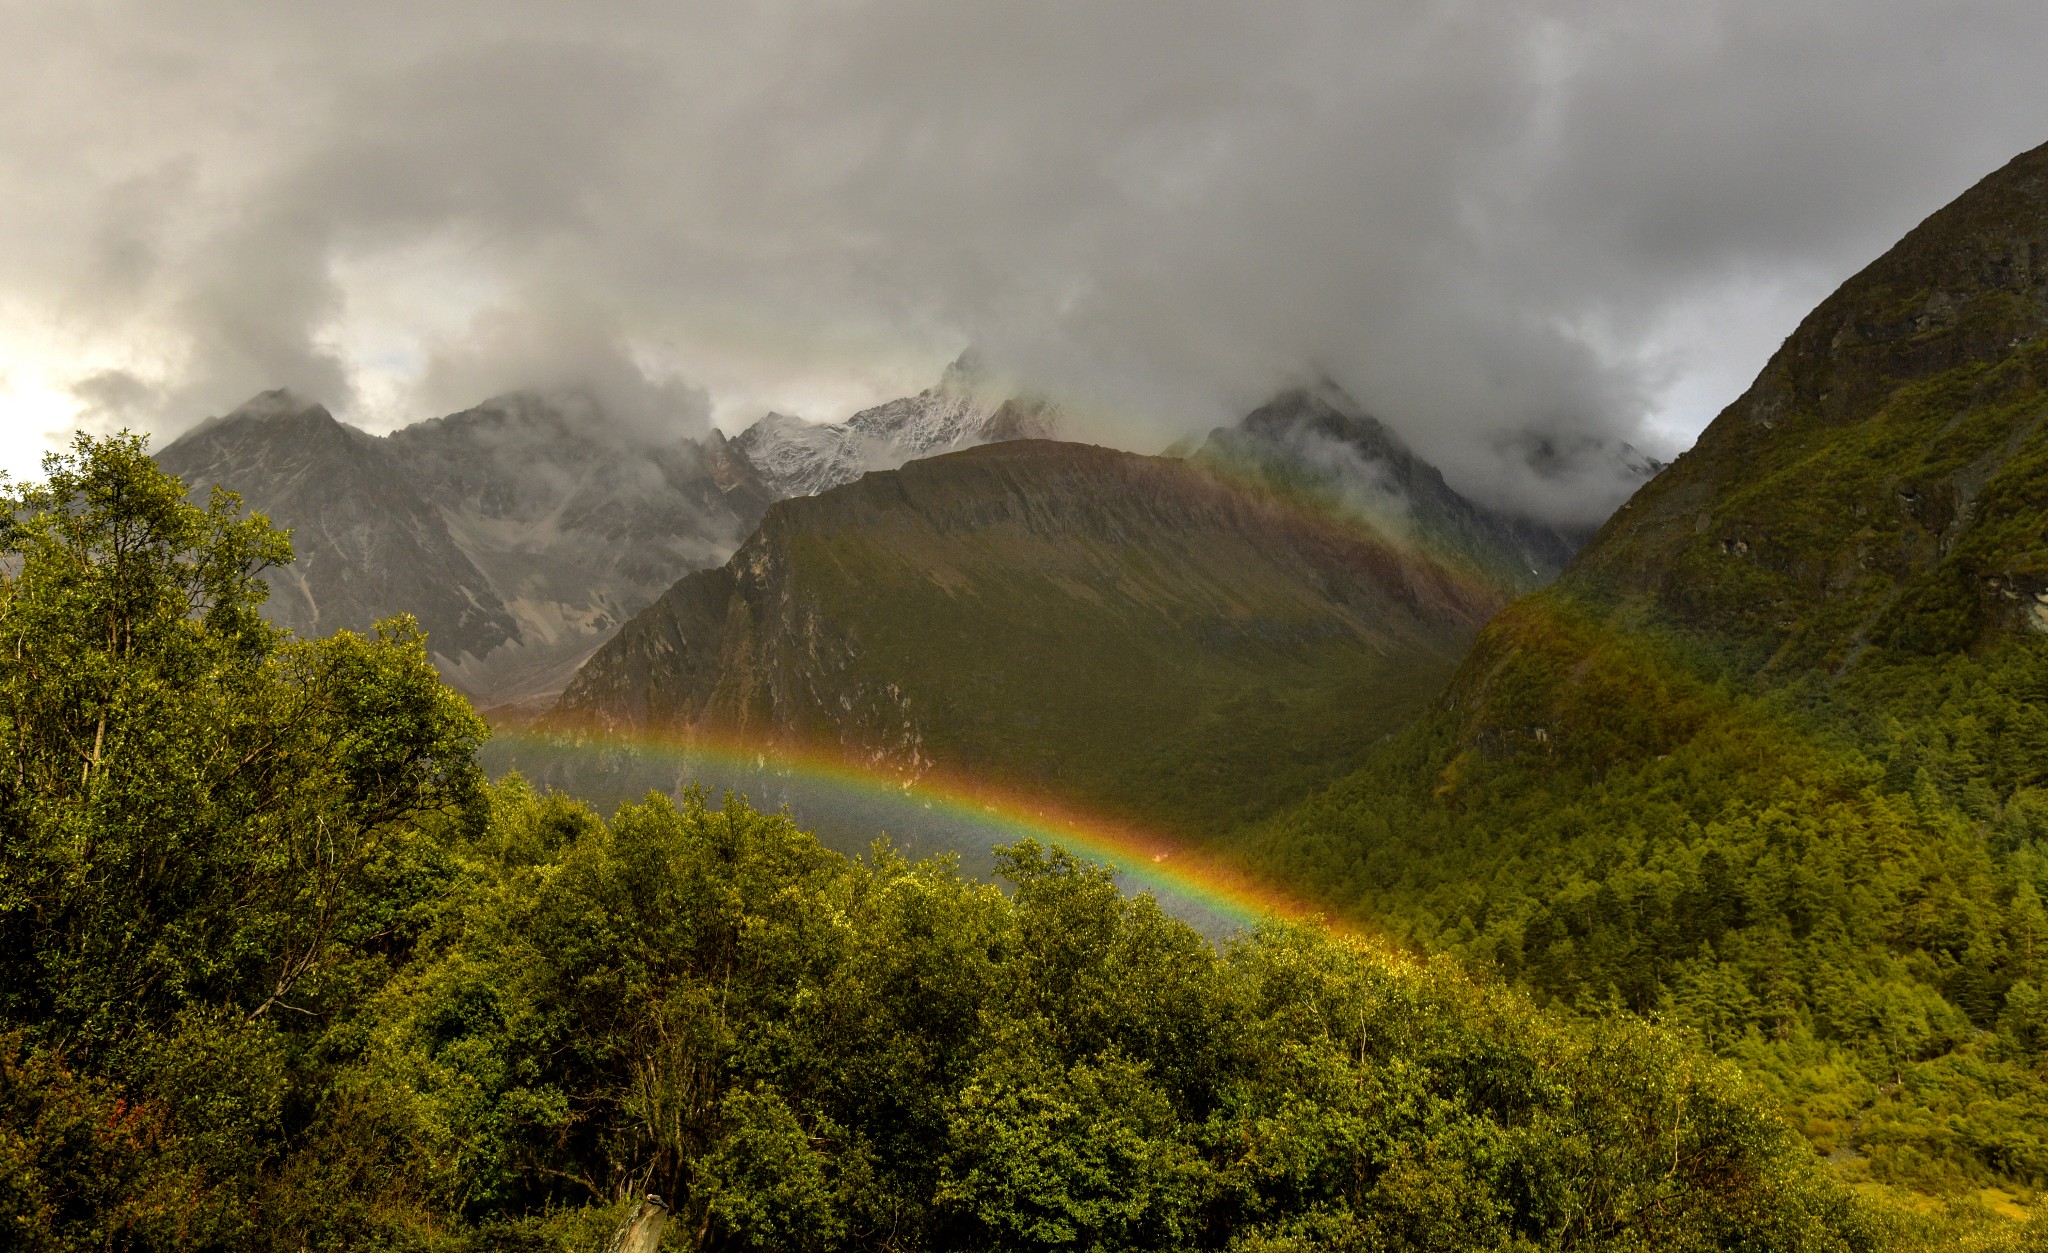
x=1129 y=633
x=281 y=973
x=1771 y=760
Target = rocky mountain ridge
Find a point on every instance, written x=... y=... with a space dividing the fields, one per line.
x=364 y=538
x=522 y=532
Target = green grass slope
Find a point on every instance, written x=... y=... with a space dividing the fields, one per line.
x=1129 y=632
x=1771 y=760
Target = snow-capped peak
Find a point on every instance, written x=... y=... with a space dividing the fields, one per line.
x=798 y=458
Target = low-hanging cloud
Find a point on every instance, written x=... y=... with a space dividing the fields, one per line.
x=1500 y=226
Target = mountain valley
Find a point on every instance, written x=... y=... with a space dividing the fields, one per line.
x=1014 y=628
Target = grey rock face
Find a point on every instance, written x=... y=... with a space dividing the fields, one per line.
x=520 y=533
x=368 y=543
x=577 y=525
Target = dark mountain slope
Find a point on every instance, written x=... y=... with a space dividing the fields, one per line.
x=1881 y=481
x=1129 y=631
x=1770 y=758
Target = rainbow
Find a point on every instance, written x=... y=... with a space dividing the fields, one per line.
x=1145 y=861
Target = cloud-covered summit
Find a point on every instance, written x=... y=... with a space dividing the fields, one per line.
x=1566 y=222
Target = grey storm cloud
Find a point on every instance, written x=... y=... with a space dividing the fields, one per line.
x=1500 y=225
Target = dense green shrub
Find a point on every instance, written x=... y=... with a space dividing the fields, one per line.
x=1837 y=882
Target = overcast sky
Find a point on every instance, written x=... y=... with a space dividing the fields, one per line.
x=1580 y=219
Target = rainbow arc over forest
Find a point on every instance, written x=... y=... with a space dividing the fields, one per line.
x=1145 y=860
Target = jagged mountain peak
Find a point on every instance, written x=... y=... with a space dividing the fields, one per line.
x=1316 y=441
x=1565 y=456
x=277 y=413
x=367 y=544
x=1325 y=409
x=965 y=374
x=278 y=402
x=568 y=416
x=776 y=421
x=519 y=532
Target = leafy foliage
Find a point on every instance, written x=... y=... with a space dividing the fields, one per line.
x=280 y=973
x=197 y=811
x=1836 y=915
x=803 y=1051
x=204 y=825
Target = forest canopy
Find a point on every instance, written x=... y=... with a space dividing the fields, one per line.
x=279 y=969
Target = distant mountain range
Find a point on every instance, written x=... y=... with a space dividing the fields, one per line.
x=522 y=532
x=1125 y=630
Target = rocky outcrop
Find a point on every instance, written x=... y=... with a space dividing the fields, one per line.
x=367 y=542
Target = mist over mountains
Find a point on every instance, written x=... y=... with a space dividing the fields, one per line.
x=515 y=534
x=1317 y=442
x=524 y=532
